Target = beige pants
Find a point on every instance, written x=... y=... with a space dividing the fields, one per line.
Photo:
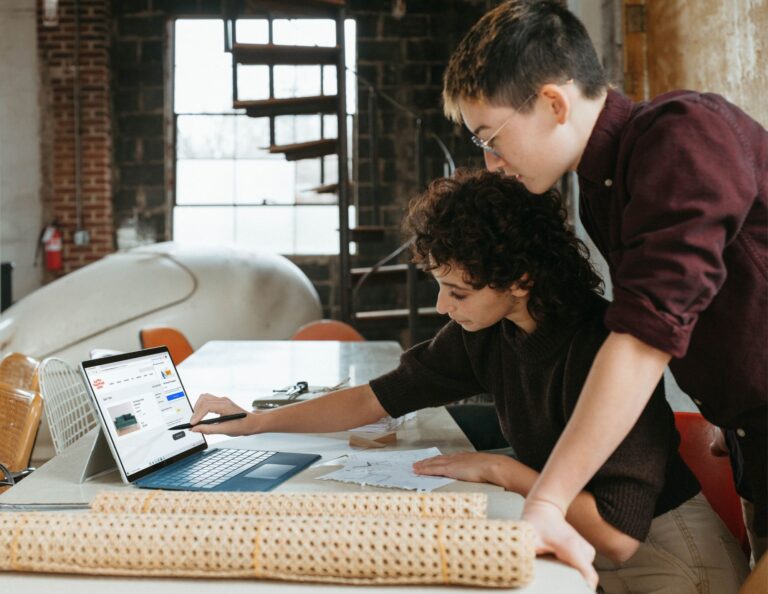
x=688 y=551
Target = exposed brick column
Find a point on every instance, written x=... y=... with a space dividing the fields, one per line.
x=56 y=46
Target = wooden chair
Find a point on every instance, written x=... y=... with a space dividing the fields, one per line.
x=177 y=343
x=68 y=407
x=328 y=330
x=714 y=473
x=19 y=371
x=20 y=413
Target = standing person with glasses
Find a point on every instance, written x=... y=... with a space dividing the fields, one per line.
x=526 y=319
x=674 y=193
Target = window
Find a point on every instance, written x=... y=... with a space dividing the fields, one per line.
x=229 y=189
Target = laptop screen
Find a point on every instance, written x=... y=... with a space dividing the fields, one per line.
x=139 y=395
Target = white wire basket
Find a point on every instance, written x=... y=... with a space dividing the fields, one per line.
x=66 y=403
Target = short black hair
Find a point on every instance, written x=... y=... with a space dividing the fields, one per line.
x=500 y=234
x=515 y=49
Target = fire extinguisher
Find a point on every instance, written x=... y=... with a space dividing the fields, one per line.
x=51 y=240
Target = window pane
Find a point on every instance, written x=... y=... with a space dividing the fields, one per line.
x=329 y=80
x=203 y=75
x=331 y=169
x=205 y=137
x=270 y=180
x=307 y=174
x=330 y=126
x=350 y=60
x=297 y=230
x=252 y=31
x=198 y=42
x=320 y=32
x=267 y=227
x=252 y=82
x=292 y=129
x=251 y=137
x=317 y=230
x=201 y=181
x=297 y=81
x=199 y=90
x=224 y=160
x=203 y=226
x=283 y=230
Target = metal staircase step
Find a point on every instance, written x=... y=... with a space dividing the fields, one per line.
x=294 y=8
x=392 y=273
x=306 y=150
x=289 y=106
x=367 y=233
x=393 y=314
x=326 y=189
x=270 y=54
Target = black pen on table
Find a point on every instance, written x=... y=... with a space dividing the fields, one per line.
x=220 y=419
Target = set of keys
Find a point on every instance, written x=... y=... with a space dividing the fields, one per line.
x=294 y=391
x=291 y=393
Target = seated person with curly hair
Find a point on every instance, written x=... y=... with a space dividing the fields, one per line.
x=526 y=323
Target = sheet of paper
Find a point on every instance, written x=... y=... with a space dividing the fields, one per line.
x=388 y=469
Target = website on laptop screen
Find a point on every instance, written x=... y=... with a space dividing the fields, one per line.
x=139 y=399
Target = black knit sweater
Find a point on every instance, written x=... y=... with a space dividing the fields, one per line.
x=535 y=382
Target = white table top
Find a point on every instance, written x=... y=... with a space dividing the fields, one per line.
x=244 y=370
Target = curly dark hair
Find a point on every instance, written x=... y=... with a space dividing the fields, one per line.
x=501 y=234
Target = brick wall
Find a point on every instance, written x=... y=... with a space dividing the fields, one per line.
x=142 y=202
x=56 y=47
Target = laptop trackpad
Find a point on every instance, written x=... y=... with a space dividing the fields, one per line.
x=269 y=471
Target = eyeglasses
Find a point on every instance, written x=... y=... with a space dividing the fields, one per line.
x=486 y=144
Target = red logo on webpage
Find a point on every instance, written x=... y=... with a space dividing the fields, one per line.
x=98 y=384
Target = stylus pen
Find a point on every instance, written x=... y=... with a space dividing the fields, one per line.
x=220 y=419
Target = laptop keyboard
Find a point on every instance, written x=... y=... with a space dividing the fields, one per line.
x=213 y=469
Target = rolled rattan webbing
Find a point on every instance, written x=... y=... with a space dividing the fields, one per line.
x=494 y=553
x=382 y=505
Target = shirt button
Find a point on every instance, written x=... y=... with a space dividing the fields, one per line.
x=740 y=432
x=608 y=183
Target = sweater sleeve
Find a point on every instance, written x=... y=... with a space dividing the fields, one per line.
x=432 y=373
x=692 y=181
x=627 y=486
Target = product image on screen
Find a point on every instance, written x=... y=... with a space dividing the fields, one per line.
x=139 y=399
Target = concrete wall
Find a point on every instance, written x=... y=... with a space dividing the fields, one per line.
x=710 y=46
x=20 y=206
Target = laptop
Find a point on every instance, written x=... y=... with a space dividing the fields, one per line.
x=138 y=396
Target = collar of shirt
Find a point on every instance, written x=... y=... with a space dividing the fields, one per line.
x=598 y=163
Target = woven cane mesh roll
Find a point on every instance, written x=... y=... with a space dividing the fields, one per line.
x=381 y=505
x=354 y=550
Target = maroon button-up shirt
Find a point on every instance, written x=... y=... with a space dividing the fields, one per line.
x=674 y=193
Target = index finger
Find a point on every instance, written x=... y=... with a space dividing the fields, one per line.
x=205 y=404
